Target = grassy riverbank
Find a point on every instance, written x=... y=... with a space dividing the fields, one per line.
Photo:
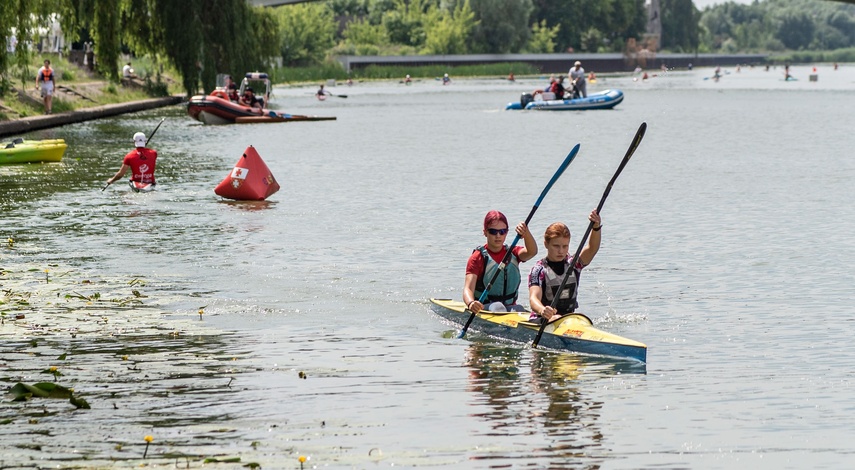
x=78 y=88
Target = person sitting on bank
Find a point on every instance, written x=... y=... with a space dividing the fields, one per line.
x=127 y=71
x=248 y=99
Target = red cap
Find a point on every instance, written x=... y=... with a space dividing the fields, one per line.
x=493 y=216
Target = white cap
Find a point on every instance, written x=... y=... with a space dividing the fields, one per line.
x=139 y=139
x=577 y=63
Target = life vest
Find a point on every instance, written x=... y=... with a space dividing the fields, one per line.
x=506 y=286
x=47 y=75
x=567 y=300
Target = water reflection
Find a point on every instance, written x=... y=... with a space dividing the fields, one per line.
x=249 y=206
x=532 y=392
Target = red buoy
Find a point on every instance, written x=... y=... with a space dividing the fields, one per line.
x=250 y=179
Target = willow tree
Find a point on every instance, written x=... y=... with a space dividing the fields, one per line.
x=198 y=37
x=21 y=19
x=103 y=20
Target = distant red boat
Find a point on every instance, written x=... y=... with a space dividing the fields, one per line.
x=217 y=108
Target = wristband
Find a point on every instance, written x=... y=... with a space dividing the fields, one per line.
x=597 y=229
x=469 y=305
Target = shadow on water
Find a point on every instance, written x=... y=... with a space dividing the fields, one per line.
x=176 y=388
x=533 y=392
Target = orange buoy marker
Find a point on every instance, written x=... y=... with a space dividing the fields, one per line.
x=250 y=179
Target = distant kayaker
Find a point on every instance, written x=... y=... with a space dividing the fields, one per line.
x=408 y=80
x=321 y=93
x=445 y=79
x=141 y=162
x=546 y=276
x=46 y=82
x=577 y=77
x=484 y=262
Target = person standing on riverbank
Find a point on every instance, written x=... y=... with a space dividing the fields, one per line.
x=45 y=78
x=141 y=162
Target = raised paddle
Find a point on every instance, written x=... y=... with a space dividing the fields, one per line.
x=634 y=145
x=508 y=255
x=146 y=142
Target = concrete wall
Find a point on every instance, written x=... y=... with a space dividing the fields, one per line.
x=560 y=63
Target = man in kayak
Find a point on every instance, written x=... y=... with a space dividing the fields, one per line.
x=140 y=161
x=484 y=262
x=321 y=94
x=547 y=275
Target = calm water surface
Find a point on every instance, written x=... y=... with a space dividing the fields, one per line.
x=727 y=249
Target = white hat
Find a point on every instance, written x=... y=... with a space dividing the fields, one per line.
x=139 y=139
x=577 y=63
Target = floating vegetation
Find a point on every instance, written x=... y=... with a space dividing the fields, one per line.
x=114 y=345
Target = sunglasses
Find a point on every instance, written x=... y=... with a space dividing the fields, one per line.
x=497 y=231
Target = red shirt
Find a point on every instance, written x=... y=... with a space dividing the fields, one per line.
x=142 y=161
x=475 y=264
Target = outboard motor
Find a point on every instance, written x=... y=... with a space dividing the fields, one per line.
x=525 y=99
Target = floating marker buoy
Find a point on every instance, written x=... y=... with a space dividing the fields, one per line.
x=250 y=179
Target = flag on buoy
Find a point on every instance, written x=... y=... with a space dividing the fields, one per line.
x=249 y=180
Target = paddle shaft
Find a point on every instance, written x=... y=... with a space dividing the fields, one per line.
x=146 y=142
x=631 y=150
x=510 y=251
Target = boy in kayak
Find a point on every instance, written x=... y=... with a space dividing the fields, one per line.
x=140 y=161
x=484 y=262
x=546 y=276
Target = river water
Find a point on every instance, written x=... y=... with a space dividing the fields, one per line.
x=727 y=249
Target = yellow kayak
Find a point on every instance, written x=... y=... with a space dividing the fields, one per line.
x=573 y=333
x=32 y=151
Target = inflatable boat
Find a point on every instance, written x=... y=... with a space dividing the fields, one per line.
x=604 y=100
x=217 y=108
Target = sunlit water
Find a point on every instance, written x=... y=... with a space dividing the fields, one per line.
x=727 y=249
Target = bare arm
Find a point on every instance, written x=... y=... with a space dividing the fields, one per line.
x=534 y=295
x=119 y=173
x=469 y=294
x=530 y=250
x=593 y=245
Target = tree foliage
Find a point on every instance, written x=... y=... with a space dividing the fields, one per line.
x=679 y=25
x=306 y=32
x=542 y=39
x=777 y=24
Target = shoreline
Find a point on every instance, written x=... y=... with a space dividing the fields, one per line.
x=45 y=121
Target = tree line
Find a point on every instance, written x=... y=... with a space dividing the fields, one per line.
x=201 y=38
